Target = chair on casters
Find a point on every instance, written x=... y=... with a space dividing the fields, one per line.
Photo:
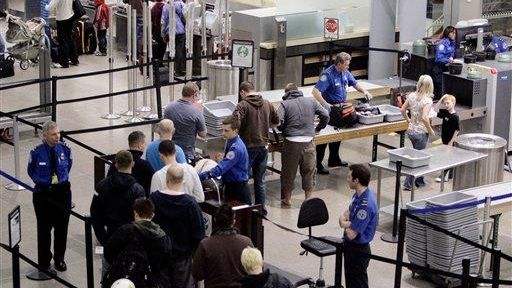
x=313 y=212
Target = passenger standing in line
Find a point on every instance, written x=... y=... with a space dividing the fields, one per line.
x=64 y=16
x=101 y=23
x=256 y=116
x=188 y=120
x=445 y=52
x=359 y=222
x=156 y=16
x=48 y=166
x=234 y=166
x=217 y=259
x=179 y=7
x=165 y=130
x=450 y=127
x=179 y=215
x=257 y=277
x=297 y=115
x=331 y=89
x=191 y=183
x=142 y=169
x=419 y=104
x=111 y=205
x=137 y=5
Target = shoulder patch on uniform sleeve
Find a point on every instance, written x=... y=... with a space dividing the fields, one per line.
x=362 y=214
x=441 y=47
x=323 y=77
x=230 y=155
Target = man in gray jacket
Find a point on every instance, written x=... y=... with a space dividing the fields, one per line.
x=297 y=116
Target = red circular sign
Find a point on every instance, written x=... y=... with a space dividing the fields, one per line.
x=331 y=25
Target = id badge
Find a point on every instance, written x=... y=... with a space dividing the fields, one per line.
x=55 y=179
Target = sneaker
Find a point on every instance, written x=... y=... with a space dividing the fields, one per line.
x=407 y=188
x=98 y=53
x=446 y=178
x=56 y=65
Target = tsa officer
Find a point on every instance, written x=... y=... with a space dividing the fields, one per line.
x=331 y=89
x=498 y=43
x=234 y=166
x=445 y=52
x=360 y=222
x=49 y=166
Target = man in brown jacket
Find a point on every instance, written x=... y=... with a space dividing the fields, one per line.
x=256 y=115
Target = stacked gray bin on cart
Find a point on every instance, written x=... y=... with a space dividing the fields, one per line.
x=489 y=170
x=443 y=251
x=214 y=113
x=416 y=235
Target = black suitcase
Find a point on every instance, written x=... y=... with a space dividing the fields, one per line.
x=7 y=67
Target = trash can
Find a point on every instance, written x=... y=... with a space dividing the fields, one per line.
x=489 y=170
x=223 y=79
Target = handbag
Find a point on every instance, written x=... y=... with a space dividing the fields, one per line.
x=343 y=116
x=78 y=10
x=7 y=67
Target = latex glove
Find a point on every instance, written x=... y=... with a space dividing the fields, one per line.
x=368 y=96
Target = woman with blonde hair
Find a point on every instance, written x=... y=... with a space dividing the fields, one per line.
x=419 y=104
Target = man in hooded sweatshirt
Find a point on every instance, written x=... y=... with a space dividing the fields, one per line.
x=180 y=217
x=256 y=116
x=112 y=202
x=297 y=115
x=143 y=233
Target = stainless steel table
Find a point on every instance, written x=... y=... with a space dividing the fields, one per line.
x=443 y=157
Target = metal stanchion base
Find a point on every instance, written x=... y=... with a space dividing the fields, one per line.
x=37 y=275
x=111 y=116
x=144 y=109
x=14 y=187
x=388 y=237
x=129 y=113
x=151 y=116
x=134 y=120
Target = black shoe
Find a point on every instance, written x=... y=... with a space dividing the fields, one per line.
x=74 y=63
x=60 y=265
x=339 y=163
x=321 y=170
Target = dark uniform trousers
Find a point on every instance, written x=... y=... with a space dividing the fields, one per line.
x=356 y=263
x=238 y=191
x=52 y=205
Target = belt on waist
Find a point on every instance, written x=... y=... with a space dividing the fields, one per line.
x=357 y=245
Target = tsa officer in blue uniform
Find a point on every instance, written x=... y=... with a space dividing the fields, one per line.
x=445 y=52
x=234 y=166
x=360 y=222
x=49 y=166
x=498 y=43
x=331 y=89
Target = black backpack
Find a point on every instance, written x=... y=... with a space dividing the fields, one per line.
x=343 y=116
x=132 y=263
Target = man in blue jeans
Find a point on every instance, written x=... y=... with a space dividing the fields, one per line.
x=256 y=115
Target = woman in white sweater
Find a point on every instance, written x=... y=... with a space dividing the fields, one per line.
x=63 y=10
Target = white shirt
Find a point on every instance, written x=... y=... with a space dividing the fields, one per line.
x=191 y=183
x=63 y=9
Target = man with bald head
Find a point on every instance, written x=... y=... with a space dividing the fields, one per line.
x=165 y=130
x=179 y=215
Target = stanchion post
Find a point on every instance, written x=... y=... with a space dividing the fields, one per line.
x=54 y=98
x=129 y=58
x=254 y=226
x=88 y=253
x=496 y=264
x=16 y=267
x=13 y=186
x=400 y=248
x=145 y=43
x=158 y=89
x=392 y=238
x=111 y=114
x=466 y=262
x=338 y=265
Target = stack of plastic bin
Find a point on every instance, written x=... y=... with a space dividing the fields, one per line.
x=416 y=236
x=214 y=113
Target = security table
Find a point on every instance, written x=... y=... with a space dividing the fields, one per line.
x=443 y=157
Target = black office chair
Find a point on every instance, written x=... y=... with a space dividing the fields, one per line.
x=313 y=212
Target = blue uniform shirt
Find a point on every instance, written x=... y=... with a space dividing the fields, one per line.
x=164 y=20
x=364 y=217
x=39 y=164
x=445 y=48
x=153 y=156
x=500 y=44
x=234 y=166
x=333 y=85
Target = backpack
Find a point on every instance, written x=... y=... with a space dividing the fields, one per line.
x=343 y=116
x=132 y=263
x=84 y=37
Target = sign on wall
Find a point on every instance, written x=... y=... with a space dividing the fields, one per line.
x=242 y=53
x=331 y=28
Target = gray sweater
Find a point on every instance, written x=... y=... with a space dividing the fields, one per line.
x=297 y=115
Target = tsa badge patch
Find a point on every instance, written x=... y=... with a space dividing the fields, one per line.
x=441 y=47
x=230 y=155
x=361 y=214
x=323 y=77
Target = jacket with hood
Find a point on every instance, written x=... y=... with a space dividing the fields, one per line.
x=149 y=236
x=256 y=116
x=181 y=218
x=112 y=203
x=297 y=115
x=142 y=170
x=266 y=280
x=101 y=17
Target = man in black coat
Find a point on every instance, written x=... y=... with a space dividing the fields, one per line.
x=112 y=203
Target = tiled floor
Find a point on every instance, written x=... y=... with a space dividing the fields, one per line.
x=281 y=248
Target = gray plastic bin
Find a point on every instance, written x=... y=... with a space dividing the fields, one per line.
x=410 y=157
